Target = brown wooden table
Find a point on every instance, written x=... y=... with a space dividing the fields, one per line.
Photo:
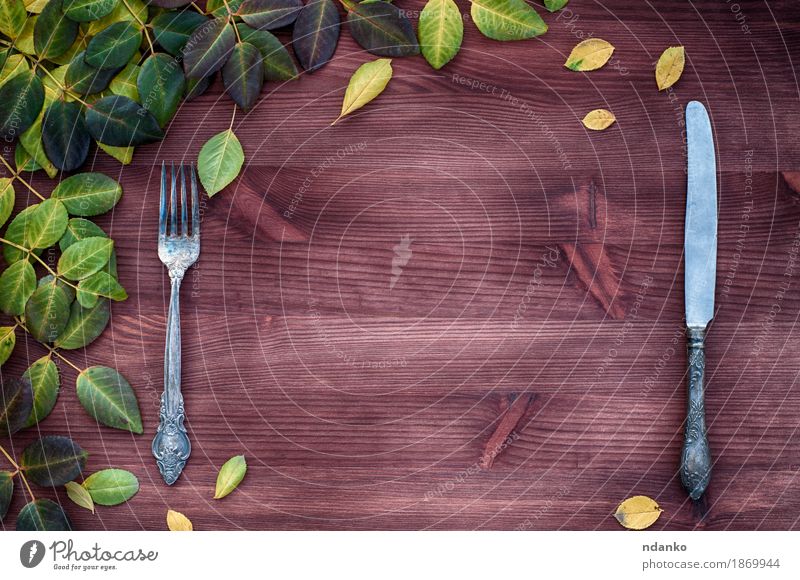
x=540 y=259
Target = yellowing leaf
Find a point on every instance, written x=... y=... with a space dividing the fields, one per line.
x=367 y=82
x=230 y=476
x=591 y=54
x=599 y=119
x=177 y=522
x=79 y=495
x=670 y=67
x=638 y=512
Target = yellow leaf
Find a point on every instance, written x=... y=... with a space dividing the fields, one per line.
x=591 y=54
x=367 y=82
x=638 y=512
x=599 y=119
x=177 y=522
x=670 y=67
x=78 y=494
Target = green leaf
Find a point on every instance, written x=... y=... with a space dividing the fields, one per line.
x=16 y=401
x=84 y=258
x=86 y=80
x=88 y=194
x=124 y=83
x=16 y=233
x=220 y=161
x=12 y=65
x=53 y=460
x=208 y=48
x=85 y=325
x=65 y=136
x=86 y=299
x=6 y=492
x=441 y=31
x=47 y=313
x=554 y=5
x=114 y=46
x=316 y=34
x=12 y=18
x=68 y=290
x=22 y=97
x=243 y=75
x=170 y=3
x=367 y=82
x=161 y=83
x=269 y=14
x=53 y=33
x=47 y=224
x=87 y=10
x=32 y=141
x=112 y=486
x=24 y=160
x=507 y=19
x=220 y=8
x=24 y=42
x=109 y=398
x=230 y=476
x=121 y=122
x=7 y=199
x=17 y=283
x=8 y=338
x=35 y=6
x=172 y=30
x=122 y=154
x=129 y=11
x=45 y=382
x=278 y=63
x=80 y=229
x=382 y=29
x=101 y=284
x=43 y=515
x=79 y=495
x=591 y=54
x=196 y=87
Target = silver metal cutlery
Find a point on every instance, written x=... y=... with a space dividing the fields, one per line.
x=178 y=249
x=700 y=258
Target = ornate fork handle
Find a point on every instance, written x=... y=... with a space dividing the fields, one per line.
x=171 y=445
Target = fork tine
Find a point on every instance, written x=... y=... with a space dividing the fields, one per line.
x=173 y=214
x=162 y=214
x=195 y=203
x=184 y=212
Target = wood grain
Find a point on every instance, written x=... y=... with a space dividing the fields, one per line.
x=544 y=260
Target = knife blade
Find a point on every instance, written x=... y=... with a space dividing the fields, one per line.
x=700 y=259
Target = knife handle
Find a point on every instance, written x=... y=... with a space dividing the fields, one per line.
x=696 y=455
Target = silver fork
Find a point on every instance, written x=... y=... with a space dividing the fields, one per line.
x=178 y=250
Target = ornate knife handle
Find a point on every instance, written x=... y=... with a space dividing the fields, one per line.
x=171 y=445
x=696 y=455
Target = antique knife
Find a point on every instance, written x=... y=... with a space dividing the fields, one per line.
x=700 y=258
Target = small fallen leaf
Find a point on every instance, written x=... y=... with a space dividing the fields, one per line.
x=670 y=67
x=177 y=522
x=591 y=54
x=230 y=476
x=79 y=495
x=599 y=119
x=367 y=82
x=638 y=512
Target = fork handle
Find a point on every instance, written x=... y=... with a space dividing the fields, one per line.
x=171 y=445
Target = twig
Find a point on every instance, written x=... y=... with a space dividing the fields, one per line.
x=15 y=175
x=142 y=24
x=50 y=348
